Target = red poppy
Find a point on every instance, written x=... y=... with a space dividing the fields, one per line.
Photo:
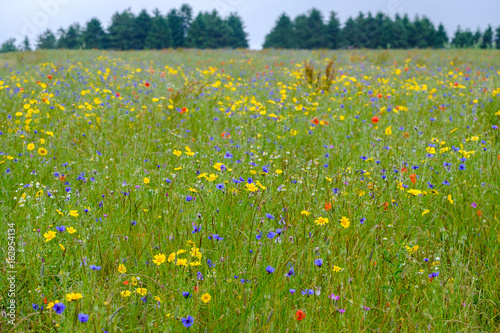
x=299 y=315
x=479 y=213
x=375 y=119
x=379 y=95
x=315 y=121
x=49 y=77
x=413 y=178
x=62 y=178
x=183 y=110
x=125 y=282
x=386 y=204
x=328 y=206
x=45 y=300
x=117 y=94
x=403 y=169
x=147 y=84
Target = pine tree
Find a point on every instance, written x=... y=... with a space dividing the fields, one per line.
x=239 y=36
x=219 y=32
x=282 y=35
x=142 y=25
x=350 y=34
x=121 y=31
x=441 y=37
x=26 y=44
x=70 y=39
x=317 y=30
x=399 y=36
x=302 y=31
x=94 y=36
x=487 y=38
x=477 y=37
x=333 y=31
x=159 y=36
x=497 y=38
x=47 y=40
x=175 y=23
x=197 y=33
x=9 y=46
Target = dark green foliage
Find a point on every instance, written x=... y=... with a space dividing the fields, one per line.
x=26 y=44
x=239 y=37
x=487 y=38
x=441 y=37
x=209 y=31
x=159 y=36
x=94 y=36
x=121 y=32
x=47 y=40
x=333 y=31
x=282 y=35
x=497 y=38
x=463 y=39
x=71 y=38
x=9 y=46
x=143 y=23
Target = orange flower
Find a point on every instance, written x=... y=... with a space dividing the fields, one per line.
x=328 y=206
x=375 y=119
x=315 y=121
x=147 y=84
x=299 y=315
x=413 y=178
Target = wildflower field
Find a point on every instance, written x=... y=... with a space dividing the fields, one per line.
x=240 y=191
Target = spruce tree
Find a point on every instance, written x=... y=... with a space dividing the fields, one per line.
x=239 y=36
x=159 y=35
x=142 y=25
x=441 y=37
x=9 y=46
x=175 y=22
x=317 y=37
x=282 y=35
x=197 y=33
x=302 y=32
x=122 y=31
x=333 y=31
x=94 y=36
x=497 y=38
x=487 y=38
x=46 y=40
x=26 y=44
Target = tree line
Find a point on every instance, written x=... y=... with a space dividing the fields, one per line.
x=312 y=31
x=208 y=30
x=145 y=31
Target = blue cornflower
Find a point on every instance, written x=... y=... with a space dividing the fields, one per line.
x=82 y=317
x=228 y=155
x=189 y=198
x=61 y=228
x=269 y=216
x=186 y=294
x=462 y=167
x=188 y=321
x=269 y=269
x=258 y=236
x=59 y=308
x=271 y=234
x=219 y=186
x=318 y=262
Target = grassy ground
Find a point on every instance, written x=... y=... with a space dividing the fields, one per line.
x=141 y=188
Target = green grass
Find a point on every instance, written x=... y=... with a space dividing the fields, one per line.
x=109 y=146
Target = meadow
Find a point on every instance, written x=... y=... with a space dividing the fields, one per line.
x=245 y=191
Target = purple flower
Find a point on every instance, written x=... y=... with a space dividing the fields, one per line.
x=82 y=317
x=292 y=291
x=59 y=308
x=61 y=228
x=270 y=269
x=271 y=235
x=318 y=262
x=334 y=297
x=473 y=205
x=366 y=308
x=341 y=310
x=219 y=186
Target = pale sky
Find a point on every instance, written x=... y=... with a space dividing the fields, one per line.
x=31 y=17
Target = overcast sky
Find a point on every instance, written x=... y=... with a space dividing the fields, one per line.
x=31 y=17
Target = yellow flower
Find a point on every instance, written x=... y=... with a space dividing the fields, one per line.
x=195 y=252
x=450 y=199
x=177 y=152
x=279 y=172
x=251 y=187
x=42 y=151
x=414 y=192
x=146 y=180
x=141 y=291
x=195 y=263
x=159 y=259
x=181 y=262
x=425 y=212
x=62 y=247
x=158 y=299
x=122 y=269
x=50 y=133
x=134 y=281
x=388 y=130
x=206 y=298
x=125 y=293
x=31 y=146
x=73 y=297
x=344 y=221
x=321 y=221
x=73 y=213
x=305 y=212
x=336 y=268
x=49 y=235
x=172 y=257
x=71 y=230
